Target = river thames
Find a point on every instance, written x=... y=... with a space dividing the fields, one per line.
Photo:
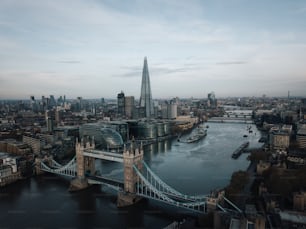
x=195 y=168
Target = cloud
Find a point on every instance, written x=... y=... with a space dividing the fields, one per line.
x=69 y=61
x=130 y=74
x=156 y=71
x=90 y=44
x=231 y=62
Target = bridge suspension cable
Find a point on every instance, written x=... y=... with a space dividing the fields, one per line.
x=150 y=189
x=169 y=190
x=66 y=170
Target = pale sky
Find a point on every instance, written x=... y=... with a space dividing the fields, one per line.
x=95 y=48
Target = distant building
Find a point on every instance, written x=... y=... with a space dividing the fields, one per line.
x=168 y=110
x=279 y=138
x=49 y=124
x=35 y=143
x=129 y=106
x=105 y=137
x=79 y=105
x=172 y=110
x=9 y=172
x=301 y=137
x=292 y=219
x=52 y=102
x=212 y=101
x=15 y=147
x=146 y=101
x=121 y=104
x=50 y=119
x=59 y=113
x=149 y=130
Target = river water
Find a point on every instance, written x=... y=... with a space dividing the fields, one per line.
x=196 y=168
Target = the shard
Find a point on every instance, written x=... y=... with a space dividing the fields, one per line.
x=146 y=95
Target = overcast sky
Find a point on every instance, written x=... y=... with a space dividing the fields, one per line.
x=95 y=48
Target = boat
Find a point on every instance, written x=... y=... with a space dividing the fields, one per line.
x=238 y=151
x=245 y=136
x=197 y=137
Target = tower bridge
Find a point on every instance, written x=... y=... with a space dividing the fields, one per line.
x=139 y=181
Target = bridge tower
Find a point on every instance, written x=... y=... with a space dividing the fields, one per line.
x=131 y=157
x=38 y=161
x=214 y=199
x=84 y=164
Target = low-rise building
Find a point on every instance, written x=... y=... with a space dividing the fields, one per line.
x=292 y=219
x=14 y=146
x=279 y=138
x=301 y=136
x=34 y=142
x=9 y=172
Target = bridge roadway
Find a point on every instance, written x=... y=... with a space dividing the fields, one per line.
x=115 y=184
x=103 y=155
x=247 y=120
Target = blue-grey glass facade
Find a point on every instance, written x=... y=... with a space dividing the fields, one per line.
x=146 y=101
x=105 y=137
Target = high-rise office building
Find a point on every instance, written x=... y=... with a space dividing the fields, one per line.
x=212 y=101
x=121 y=104
x=146 y=96
x=52 y=102
x=129 y=106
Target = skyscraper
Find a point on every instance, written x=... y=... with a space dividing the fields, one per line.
x=146 y=96
x=120 y=101
x=129 y=106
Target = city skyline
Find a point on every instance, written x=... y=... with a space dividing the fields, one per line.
x=95 y=49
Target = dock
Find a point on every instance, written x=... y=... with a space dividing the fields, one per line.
x=236 y=154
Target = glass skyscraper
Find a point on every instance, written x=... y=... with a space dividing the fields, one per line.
x=146 y=101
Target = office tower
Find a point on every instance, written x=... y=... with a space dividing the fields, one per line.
x=212 y=100
x=50 y=118
x=146 y=95
x=43 y=103
x=52 y=101
x=59 y=113
x=288 y=94
x=120 y=102
x=79 y=103
x=172 y=110
x=49 y=122
x=129 y=106
x=33 y=104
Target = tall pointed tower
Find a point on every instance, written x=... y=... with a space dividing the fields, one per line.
x=146 y=96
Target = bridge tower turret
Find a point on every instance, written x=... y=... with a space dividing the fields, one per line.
x=89 y=162
x=83 y=164
x=79 y=148
x=131 y=157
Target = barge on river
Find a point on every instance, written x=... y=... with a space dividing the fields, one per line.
x=239 y=151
